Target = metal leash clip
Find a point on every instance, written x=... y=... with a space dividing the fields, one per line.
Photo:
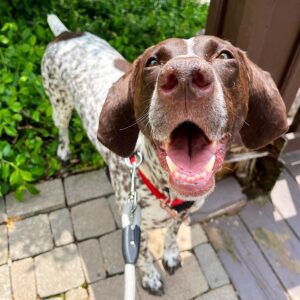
x=133 y=163
x=131 y=232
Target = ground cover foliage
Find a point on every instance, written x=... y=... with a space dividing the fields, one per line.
x=28 y=137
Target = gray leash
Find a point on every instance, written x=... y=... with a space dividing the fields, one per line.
x=131 y=232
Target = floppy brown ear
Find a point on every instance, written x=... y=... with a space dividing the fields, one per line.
x=117 y=124
x=267 y=118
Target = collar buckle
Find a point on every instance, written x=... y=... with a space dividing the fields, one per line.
x=164 y=205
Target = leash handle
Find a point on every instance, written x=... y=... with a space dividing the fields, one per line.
x=131 y=232
x=131 y=237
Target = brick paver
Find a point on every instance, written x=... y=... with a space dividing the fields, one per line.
x=112 y=252
x=187 y=283
x=87 y=186
x=23 y=279
x=58 y=271
x=109 y=289
x=92 y=219
x=5 y=286
x=3 y=245
x=30 y=237
x=115 y=210
x=222 y=293
x=92 y=260
x=211 y=266
x=2 y=211
x=77 y=294
x=188 y=237
x=61 y=226
x=73 y=250
x=51 y=197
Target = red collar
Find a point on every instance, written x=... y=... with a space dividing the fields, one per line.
x=160 y=196
x=165 y=202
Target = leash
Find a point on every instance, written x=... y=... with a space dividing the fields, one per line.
x=131 y=232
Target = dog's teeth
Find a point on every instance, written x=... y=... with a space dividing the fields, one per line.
x=190 y=179
x=201 y=175
x=177 y=175
x=214 y=144
x=209 y=166
x=166 y=146
x=171 y=165
x=183 y=177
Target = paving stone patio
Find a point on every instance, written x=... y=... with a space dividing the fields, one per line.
x=66 y=244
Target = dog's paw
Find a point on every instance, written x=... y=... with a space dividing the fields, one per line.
x=171 y=262
x=63 y=154
x=152 y=283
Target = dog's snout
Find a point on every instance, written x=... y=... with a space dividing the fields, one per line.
x=186 y=77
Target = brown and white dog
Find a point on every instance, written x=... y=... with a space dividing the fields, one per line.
x=180 y=103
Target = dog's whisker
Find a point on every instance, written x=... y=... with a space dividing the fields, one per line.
x=140 y=119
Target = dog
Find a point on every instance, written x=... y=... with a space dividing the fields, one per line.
x=180 y=104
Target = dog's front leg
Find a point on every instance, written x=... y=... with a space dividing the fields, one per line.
x=171 y=257
x=151 y=280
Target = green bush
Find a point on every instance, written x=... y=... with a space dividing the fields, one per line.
x=28 y=138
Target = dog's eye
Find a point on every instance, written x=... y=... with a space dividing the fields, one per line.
x=224 y=54
x=152 y=62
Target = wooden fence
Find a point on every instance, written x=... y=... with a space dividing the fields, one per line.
x=269 y=30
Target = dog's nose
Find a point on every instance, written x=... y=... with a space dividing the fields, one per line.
x=169 y=81
x=200 y=80
x=188 y=78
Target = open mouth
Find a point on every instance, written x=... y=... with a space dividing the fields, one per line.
x=191 y=159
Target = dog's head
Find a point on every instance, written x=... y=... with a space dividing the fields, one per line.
x=189 y=97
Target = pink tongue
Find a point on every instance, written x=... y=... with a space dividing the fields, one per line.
x=190 y=151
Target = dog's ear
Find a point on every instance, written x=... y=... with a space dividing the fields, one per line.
x=266 y=119
x=117 y=129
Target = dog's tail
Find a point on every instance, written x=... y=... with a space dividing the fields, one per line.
x=56 y=25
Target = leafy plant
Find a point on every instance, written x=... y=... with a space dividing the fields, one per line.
x=28 y=137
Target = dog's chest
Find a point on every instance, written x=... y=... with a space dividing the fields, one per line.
x=153 y=215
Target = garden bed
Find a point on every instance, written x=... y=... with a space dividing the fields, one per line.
x=28 y=137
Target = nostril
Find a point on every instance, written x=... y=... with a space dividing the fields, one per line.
x=170 y=82
x=199 y=80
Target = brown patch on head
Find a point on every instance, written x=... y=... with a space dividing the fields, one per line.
x=167 y=50
x=185 y=103
x=122 y=64
x=267 y=118
x=67 y=35
x=146 y=77
x=249 y=94
x=129 y=98
x=117 y=124
x=206 y=46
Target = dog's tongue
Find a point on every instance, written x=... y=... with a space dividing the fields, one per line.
x=189 y=149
